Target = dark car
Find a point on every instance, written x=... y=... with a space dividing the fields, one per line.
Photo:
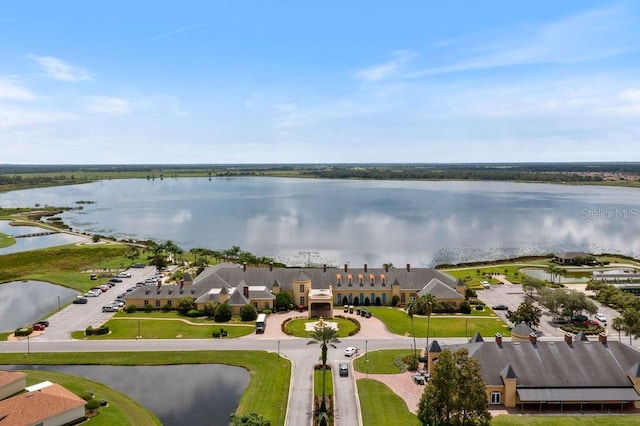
x=500 y=307
x=43 y=323
x=115 y=280
x=560 y=321
x=344 y=369
x=579 y=319
x=80 y=301
x=137 y=265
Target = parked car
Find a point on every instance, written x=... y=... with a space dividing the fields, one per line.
x=601 y=317
x=115 y=280
x=350 y=351
x=579 y=318
x=419 y=379
x=485 y=284
x=343 y=367
x=560 y=321
x=137 y=265
x=80 y=301
x=589 y=322
x=500 y=307
x=109 y=308
x=37 y=327
x=93 y=293
x=124 y=275
x=44 y=323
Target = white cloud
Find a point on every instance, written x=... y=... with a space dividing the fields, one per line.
x=108 y=105
x=12 y=89
x=388 y=69
x=16 y=117
x=59 y=70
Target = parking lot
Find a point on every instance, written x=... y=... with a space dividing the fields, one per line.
x=79 y=316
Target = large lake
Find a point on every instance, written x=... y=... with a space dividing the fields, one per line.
x=338 y=221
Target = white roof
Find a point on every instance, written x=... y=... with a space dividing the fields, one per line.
x=38 y=386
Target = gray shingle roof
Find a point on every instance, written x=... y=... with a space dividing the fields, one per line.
x=440 y=290
x=577 y=395
x=522 y=329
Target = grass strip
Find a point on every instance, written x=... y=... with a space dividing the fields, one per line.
x=267 y=393
x=121 y=410
x=380 y=406
x=381 y=362
x=317 y=383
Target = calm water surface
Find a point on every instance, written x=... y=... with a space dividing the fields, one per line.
x=24 y=302
x=34 y=243
x=177 y=394
x=337 y=221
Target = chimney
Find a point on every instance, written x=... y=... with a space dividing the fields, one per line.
x=346 y=267
x=533 y=338
x=499 y=339
x=324 y=268
x=270 y=266
x=386 y=267
x=408 y=267
x=245 y=291
x=568 y=339
x=603 y=338
x=365 y=267
x=244 y=266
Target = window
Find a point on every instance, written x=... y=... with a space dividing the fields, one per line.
x=372 y=299
x=384 y=298
x=169 y=302
x=338 y=299
x=266 y=305
x=338 y=279
x=350 y=298
x=350 y=279
x=496 y=397
x=361 y=279
x=372 y=279
x=361 y=298
x=255 y=305
x=301 y=288
x=403 y=298
x=157 y=303
x=302 y=300
x=146 y=302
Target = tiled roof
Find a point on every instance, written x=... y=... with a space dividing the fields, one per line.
x=8 y=377
x=36 y=407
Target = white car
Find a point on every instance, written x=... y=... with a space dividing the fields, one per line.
x=93 y=293
x=601 y=317
x=350 y=351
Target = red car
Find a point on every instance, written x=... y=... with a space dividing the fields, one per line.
x=38 y=327
x=590 y=322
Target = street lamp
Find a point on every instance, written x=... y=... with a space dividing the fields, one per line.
x=139 y=335
x=28 y=346
x=58 y=303
x=278 y=350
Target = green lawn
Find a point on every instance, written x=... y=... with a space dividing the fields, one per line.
x=384 y=361
x=6 y=241
x=398 y=322
x=164 y=329
x=121 y=410
x=317 y=383
x=607 y=420
x=380 y=406
x=296 y=327
x=267 y=393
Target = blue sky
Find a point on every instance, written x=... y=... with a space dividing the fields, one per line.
x=308 y=82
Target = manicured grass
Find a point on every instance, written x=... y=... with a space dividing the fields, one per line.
x=398 y=322
x=472 y=278
x=296 y=327
x=164 y=329
x=317 y=383
x=380 y=406
x=384 y=361
x=121 y=410
x=175 y=315
x=6 y=241
x=267 y=393
x=585 y=420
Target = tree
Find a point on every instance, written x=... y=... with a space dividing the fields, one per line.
x=618 y=325
x=530 y=284
x=455 y=395
x=283 y=301
x=210 y=308
x=412 y=308
x=631 y=320
x=251 y=419
x=248 y=312
x=527 y=313
x=428 y=304
x=223 y=313
x=326 y=336
x=186 y=304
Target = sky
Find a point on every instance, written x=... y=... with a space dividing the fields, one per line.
x=219 y=82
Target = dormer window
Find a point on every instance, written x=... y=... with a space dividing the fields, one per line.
x=383 y=278
x=350 y=279
x=338 y=280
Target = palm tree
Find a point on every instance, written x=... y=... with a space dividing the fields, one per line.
x=412 y=309
x=325 y=336
x=428 y=303
x=618 y=325
x=552 y=270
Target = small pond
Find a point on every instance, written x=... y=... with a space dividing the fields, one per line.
x=24 y=302
x=34 y=243
x=204 y=394
x=582 y=277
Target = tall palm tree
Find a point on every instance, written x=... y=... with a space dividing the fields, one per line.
x=429 y=303
x=326 y=336
x=552 y=270
x=412 y=309
x=618 y=325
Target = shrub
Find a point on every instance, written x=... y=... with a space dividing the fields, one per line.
x=186 y=304
x=23 y=331
x=131 y=309
x=88 y=331
x=166 y=308
x=469 y=293
x=101 y=330
x=283 y=326
x=194 y=313
x=147 y=308
x=92 y=404
x=356 y=301
x=394 y=300
x=283 y=301
x=103 y=402
x=86 y=396
x=223 y=313
x=411 y=361
x=367 y=302
x=378 y=301
x=248 y=313
x=266 y=311
x=465 y=307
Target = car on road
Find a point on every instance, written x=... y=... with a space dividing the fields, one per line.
x=44 y=323
x=601 y=317
x=110 y=308
x=124 y=275
x=485 y=284
x=500 y=307
x=37 y=327
x=116 y=280
x=343 y=367
x=80 y=301
x=350 y=351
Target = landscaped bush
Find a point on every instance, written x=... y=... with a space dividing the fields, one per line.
x=223 y=313
x=166 y=308
x=395 y=300
x=378 y=302
x=26 y=331
x=131 y=309
x=194 y=313
x=92 y=404
x=86 y=396
x=283 y=326
x=221 y=333
x=248 y=313
x=147 y=308
x=90 y=331
x=411 y=361
x=353 y=320
x=465 y=307
x=266 y=311
x=356 y=302
x=590 y=330
x=446 y=307
x=367 y=302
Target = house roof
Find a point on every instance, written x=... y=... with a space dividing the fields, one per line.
x=38 y=406
x=8 y=377
x=555 y=363
x=577 y=394
x=440 y=290
x=522 y=329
